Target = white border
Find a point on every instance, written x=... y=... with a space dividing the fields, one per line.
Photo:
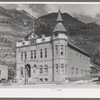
x=49 y=2
x=49 y=93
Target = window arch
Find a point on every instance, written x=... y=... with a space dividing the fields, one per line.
x=35 y=66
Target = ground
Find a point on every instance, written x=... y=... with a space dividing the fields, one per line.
x=60 y=86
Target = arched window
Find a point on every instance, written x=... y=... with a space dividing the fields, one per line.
x=34 y=69
x=46 y=69
x=35 y=66
x=41 y=69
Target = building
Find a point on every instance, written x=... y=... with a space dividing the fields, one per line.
x=3 y=72
x=51 y=59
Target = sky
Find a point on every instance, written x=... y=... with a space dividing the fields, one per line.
x=84 y=12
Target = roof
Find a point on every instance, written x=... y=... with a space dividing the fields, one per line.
x=59 y=26
x=72 y=46
x=59 y=18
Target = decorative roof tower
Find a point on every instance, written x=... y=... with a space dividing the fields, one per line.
x=59 y=26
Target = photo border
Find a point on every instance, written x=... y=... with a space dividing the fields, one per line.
x=50 y=93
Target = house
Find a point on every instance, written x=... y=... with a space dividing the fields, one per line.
x=51 y=59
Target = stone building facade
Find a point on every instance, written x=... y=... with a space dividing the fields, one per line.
x=51 y=59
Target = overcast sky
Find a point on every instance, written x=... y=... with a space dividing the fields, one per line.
x=84 y=12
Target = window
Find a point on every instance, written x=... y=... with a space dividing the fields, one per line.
x=34 y=54
x=45 y=52
x=21 y=55
x=31 y=54
x=57 y=69
x=41 y=79
x=56 y=50
x=62 y=68
x=66 y=68
x=25 y=55
x=33 y=71
x=66 y=51
x=41 y=70
x=76 y=70
x=62 y=50
x=81 y=71
x=46 y=69
x=85 y=72
x=0 y=72
x=72 y=70
x=21 y=70
x=45 y=79
x=41 y=53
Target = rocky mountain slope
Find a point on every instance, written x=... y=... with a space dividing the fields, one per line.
x=15 y=25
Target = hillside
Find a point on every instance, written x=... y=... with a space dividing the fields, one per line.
x=14 y=26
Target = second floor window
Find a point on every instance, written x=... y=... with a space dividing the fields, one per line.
x=66 y=50
x=25 y=55
x=45 y=52
x=81 y=71
x=34 y=54
x=21 y=55
x=62 y=50
x=31 y=54
x=62 y=68
x=76 y=70
x=41 y=53
x=56 y=50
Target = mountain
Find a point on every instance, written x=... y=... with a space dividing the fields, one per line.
x=79 y=32
x=14 y=26
x=17 y=24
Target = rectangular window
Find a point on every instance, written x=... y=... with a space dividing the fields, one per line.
x=41 y=70
x=82 y=71
x=45 y=52
x=0 y=72
x=62 y=50
x=25 y=55
x=76 y=70
x=66 y=51
x=46 y=70
x=56 y=50
x=33 y=71
x=41 y=53
x=31 y=54
x=21 y=70
x=21 y=55
x=34 y=54
x=57 y=69
x=72 y=70
x=62 y=68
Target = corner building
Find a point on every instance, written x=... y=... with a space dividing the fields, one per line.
x=51 y=59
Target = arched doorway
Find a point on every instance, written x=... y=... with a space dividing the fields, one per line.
x=28 y=68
